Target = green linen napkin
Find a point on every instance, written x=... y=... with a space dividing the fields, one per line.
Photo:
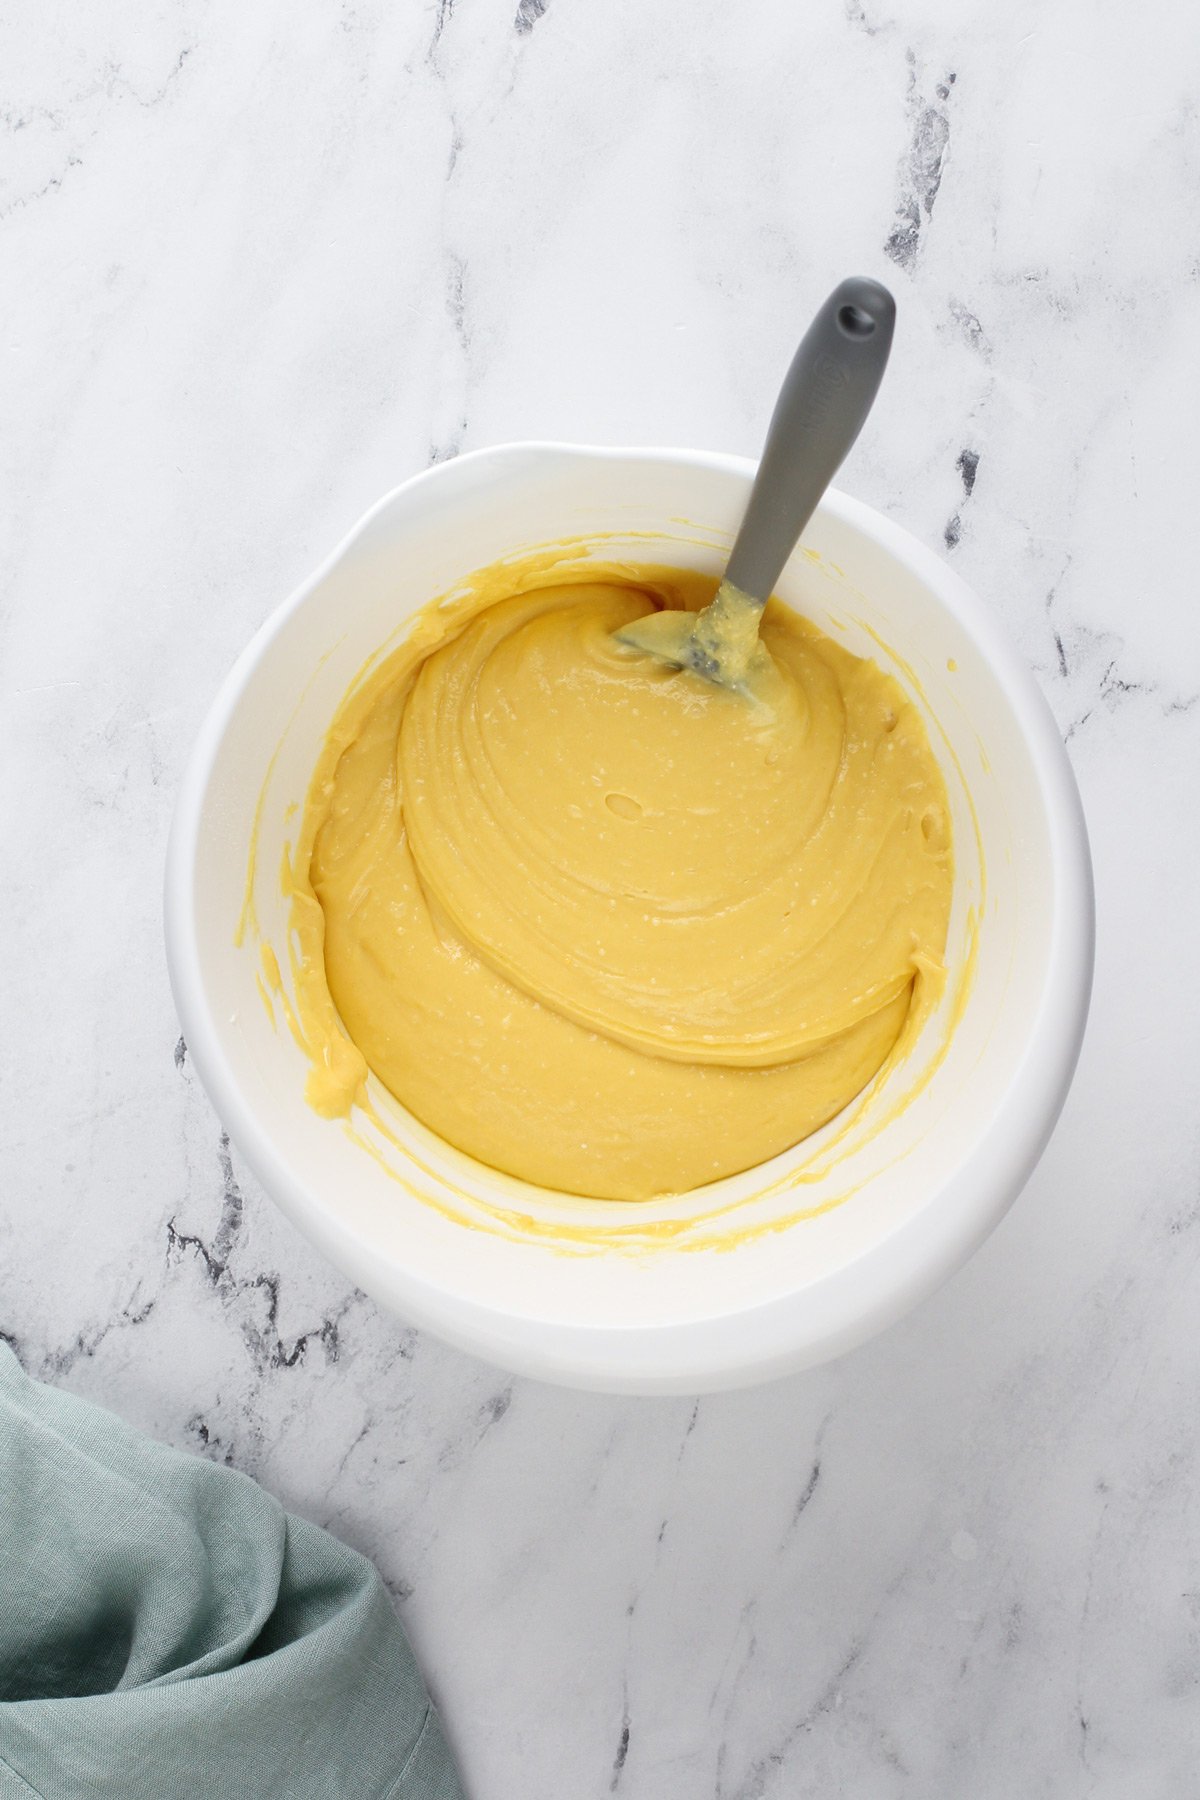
x=166 y=1629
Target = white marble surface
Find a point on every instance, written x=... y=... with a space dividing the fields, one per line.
x=259 y=262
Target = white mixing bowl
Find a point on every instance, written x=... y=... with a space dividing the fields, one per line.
x=768 y=1271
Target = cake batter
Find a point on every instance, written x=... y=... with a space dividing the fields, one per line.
x=597 y=922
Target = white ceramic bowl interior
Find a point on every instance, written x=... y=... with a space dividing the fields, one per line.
x=783 y=1266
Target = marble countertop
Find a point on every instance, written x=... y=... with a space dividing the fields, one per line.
x=257 y=264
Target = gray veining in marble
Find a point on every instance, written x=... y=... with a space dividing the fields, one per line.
x=258 y=263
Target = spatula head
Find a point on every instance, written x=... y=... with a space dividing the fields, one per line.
x=720 y=643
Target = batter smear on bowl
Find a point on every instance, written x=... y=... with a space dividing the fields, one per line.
x=600 y=923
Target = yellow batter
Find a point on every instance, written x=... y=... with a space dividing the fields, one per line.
x=602 y=924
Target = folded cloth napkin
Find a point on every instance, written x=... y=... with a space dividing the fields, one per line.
x=166 y=1629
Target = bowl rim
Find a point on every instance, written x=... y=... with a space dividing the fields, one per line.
x=843 y=1308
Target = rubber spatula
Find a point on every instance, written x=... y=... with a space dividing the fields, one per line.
x=824 y=401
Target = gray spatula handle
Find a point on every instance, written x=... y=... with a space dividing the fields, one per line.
x=826 y=396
